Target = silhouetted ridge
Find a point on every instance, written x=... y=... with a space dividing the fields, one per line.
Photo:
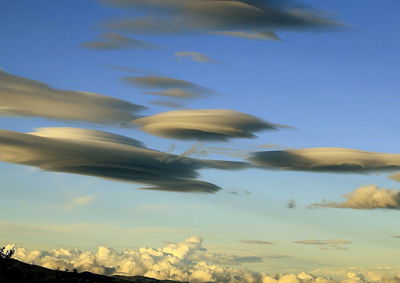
x=12 y=270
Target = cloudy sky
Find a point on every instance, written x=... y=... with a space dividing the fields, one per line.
x=253 y=136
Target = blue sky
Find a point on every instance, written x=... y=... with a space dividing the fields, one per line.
x=336 y=88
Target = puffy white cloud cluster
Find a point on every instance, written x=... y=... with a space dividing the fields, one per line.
x=367 y=197
x=170 y=262
x=183 y=261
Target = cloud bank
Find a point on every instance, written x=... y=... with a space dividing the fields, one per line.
x=204 y=124
x=367 y=197
x=114 y=41
x=327 y=159
x=182 y=16
x=24 y=97
x=183 y=261
x=106 y=155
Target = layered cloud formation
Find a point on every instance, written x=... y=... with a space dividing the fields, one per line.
x=114 y=41
x=327 y=160
x=367 y=197
x=184 y=261
x=24 y=97
x=204 y=124
x=106 y=155
x=180 y=16
x=169 y=87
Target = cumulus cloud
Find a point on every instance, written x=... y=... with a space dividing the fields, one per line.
x=175 y=261
x=255 y=242
x=194 y=56
x=181 y=16
x=114 y=41
x=261 y=35
x=165 y=86
x=331 y=244
x=357 y=274
x=106 y=155
x=183 y=261
x=367 y=197
x=24 y=97
x=203 y=124
x=327 y=160
x=188 y=261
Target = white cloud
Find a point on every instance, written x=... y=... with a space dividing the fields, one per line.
x=367 y=197
x=80 y=201
x=185 y=261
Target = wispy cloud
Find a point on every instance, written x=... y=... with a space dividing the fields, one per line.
x=367 y=197
x=194 y=56
x=255 y=242
x=260 y=35
x=331 y=244
x=24 y=97
x=114 y=41
x=80 y=201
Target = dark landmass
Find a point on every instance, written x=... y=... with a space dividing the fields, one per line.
x=12 y=270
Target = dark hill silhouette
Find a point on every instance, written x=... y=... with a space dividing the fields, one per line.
x=12 y=270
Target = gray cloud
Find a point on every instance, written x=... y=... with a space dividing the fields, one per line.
x=106 y=155
x=114 y=41
x=255 y=242
x=261 y=35
x=367 y=197
x=291 y=204
x=169 y=87
x=203 y=124
x=331 y=244
x=24 y=97
x=327 y=160
x=180 y=16
x=194 y=56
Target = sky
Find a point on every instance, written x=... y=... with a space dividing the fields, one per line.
x=260 y=134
